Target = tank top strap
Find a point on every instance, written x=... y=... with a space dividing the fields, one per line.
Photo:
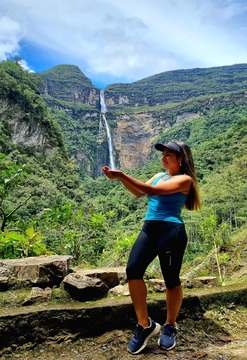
x=158 y=178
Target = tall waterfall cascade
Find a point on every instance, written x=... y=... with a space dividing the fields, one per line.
x=108 y=133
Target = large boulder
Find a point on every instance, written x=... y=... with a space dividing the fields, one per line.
x=43 y=271
x=84 y=288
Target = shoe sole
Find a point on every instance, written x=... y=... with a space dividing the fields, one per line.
x=154 y=332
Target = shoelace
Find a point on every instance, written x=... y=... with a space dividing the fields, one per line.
x=169 y=330
x=139 y=332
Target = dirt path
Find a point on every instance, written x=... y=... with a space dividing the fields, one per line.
x=221 y=334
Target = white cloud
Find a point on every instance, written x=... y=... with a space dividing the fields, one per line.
x=128 y=39
x=25 y=66
x=10 y=35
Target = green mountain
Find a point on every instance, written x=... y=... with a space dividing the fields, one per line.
x=180 y=85
x=66 y=83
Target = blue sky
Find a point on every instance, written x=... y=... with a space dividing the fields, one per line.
x=114 y=41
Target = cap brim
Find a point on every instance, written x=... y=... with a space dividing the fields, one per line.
x=159 y=147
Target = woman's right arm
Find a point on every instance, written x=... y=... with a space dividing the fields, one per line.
x=132 y=188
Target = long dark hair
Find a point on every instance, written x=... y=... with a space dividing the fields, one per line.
x=193 y=201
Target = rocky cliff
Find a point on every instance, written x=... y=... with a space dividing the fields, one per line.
x=25 y=121
x=136 y=130
x=25 y=131
x=134 y=135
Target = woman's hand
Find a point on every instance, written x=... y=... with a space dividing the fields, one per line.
x=111 y=174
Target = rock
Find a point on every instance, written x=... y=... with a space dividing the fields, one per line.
x=203 y=281
x=4 y=275
x=240 y=272
x=4 y=271
x=187 y=283
x=111 y=276
x=156 y=285
x=200 y=281
x=38 y=295
x=41 y=270
x=120 y=290
x=3 y=283
x=84 y=288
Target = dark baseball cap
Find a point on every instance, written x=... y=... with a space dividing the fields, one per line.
x=171 y=145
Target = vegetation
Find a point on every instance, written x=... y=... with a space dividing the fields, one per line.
x=48 y=205
x=58 y=82
x=180 y=85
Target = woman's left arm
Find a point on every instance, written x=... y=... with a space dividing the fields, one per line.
x=180 y=183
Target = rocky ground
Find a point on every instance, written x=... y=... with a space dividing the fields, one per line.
x=220 y=334
x=215 y=330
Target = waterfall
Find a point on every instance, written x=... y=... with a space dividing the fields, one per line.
x=102 y=102
x=108 y=133
x=98 y=157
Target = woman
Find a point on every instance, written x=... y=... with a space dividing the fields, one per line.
x=163 y=235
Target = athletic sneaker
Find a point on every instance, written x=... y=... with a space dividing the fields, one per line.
x=167 y=341
x=142 y=335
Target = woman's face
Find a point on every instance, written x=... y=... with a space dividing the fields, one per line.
x=170 y=159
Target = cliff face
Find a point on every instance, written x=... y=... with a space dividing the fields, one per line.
x=25 y=124
x=134 y=135
x=24 y=130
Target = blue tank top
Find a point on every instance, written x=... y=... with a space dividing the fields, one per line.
x=165 y=207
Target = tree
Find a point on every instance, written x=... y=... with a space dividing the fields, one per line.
x=218 y=235
x=9 y=179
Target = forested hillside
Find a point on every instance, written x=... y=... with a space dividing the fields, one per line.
x=179 y=85
x=49 y=204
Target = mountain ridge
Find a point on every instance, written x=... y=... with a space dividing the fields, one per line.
x=161 y=88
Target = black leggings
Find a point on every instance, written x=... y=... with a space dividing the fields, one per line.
x=164 y=239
